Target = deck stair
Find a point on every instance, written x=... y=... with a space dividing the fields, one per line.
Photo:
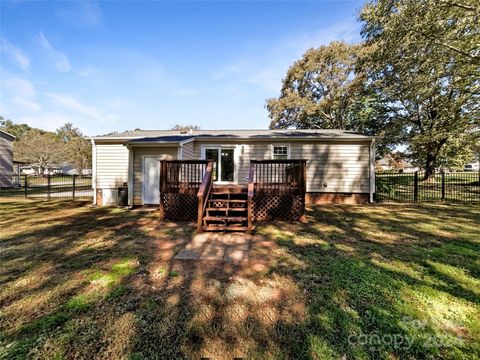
x=226 y=209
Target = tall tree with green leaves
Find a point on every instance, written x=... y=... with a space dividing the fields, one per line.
x=17 y=130
x=67 y=132
x=78 y=150
x=423 y=62
x=325 y=89
x=39 y=148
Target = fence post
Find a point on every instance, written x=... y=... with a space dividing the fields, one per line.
x=26 y=185
x=48 y=185
x=443 y=185
x=73 y=191
x=415 y=187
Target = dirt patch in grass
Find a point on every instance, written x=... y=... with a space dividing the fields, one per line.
x=79 y=281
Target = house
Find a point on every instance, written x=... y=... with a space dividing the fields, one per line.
x=6 y=159
x=340 y=165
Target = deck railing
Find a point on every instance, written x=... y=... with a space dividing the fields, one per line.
x=180 y=181
x=276 y=190
x=204 y=193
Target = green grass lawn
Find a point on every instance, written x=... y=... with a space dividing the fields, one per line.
x=371 y=281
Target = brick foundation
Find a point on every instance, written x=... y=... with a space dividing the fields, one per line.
x=335 y=198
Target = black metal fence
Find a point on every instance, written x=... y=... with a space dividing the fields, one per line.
x=442 y=186
x=46 y=186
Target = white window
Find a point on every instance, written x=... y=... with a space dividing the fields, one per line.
x=280 y=152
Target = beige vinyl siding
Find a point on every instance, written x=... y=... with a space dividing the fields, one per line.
x=188 y=151
x=341 y=166
x=111 y=165
x=335 y=167
x=162 y=153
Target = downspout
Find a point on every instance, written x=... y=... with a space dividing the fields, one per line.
x=372 y=170
x=130 y=176
x=94 y=171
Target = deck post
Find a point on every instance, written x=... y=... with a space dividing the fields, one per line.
x=200 y=214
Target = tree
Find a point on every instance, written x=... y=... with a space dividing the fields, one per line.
x=178 y=127
x=17 y=130
x=78 y=150
x=39 y=148
x=326 y=89
x=423 y=64
x=79 y=153
x=68 y=132
x=395 y=160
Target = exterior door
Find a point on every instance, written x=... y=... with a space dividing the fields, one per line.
x=224 y=163
x=151 y=180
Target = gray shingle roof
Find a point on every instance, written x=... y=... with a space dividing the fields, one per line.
x=177 y=136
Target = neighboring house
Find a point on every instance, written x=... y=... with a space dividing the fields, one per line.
x=6 y=159
x=473 y=166
x=64 y=169
x=69 y=169
x=340 y=164
x=27 y=170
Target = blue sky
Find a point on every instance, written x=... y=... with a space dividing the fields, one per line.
x=118 y=65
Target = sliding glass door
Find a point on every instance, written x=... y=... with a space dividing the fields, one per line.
x=224 y=163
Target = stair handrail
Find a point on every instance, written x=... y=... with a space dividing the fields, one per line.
x=203 y=193
x=250 y=194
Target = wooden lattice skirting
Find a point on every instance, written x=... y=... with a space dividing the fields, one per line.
x=278 y=207
x=178 y=207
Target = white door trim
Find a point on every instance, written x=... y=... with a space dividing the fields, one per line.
x=203 y=148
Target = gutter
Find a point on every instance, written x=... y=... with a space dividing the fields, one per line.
x=94 y=171
x=233 y=138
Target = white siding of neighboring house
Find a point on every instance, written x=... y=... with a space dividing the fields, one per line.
x=6 y=160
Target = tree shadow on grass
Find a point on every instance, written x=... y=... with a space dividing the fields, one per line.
x=359 y=283
x=55 y=276
x=103 y=282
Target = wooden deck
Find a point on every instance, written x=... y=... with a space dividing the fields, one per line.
x=275 y=190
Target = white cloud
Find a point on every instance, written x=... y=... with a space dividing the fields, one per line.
x=266 y=64
x=15 y=53
x=49 y=121
x=59 y=59
x=88 y=71
x=80 y=13
x=184 y=92
x=25 y=104
x=12 y=85
x=84 y=109
x=17 y=93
